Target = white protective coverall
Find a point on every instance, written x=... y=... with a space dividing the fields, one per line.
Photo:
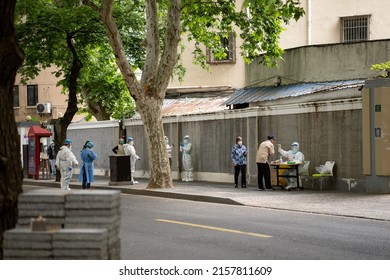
x=64 y=161
x=169 y=150
x=186 y=149
x=130 y=151
x=292 y=155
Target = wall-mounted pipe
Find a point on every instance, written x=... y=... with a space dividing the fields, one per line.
x=308 y=22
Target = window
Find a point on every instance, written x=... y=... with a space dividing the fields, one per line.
x=229 y=44
x=32 y=95
x=355 y=29
x=16 y=96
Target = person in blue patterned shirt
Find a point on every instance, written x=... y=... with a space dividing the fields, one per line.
x=239 y=154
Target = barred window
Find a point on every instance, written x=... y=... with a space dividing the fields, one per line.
x=229 y=44
x=16 y=96
x=355 y=29
x=32 y=95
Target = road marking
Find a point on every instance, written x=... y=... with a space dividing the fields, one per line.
x=215 y=228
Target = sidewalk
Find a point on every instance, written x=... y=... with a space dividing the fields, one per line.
x=348 y=204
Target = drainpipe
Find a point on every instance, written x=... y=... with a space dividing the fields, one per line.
x=308 y=22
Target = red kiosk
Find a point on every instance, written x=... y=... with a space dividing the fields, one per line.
x=34 y=149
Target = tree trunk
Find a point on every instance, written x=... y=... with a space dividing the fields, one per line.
x=160 y=171
x=11 y=175
x=150 y=93
x=95 y=108
x=61 y=125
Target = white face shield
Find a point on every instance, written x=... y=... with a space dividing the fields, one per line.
x=295 y=147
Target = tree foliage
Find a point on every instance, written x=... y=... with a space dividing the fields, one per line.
x=43 y=28
x=383 y=68
x=257 y=22
x=103 y=87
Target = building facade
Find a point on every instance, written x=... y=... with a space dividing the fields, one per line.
x=324 y=22
x=41 y=90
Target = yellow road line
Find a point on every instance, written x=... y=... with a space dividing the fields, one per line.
x=215 y=228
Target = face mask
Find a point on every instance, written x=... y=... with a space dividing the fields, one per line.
x=295 y=149
x=239 y=143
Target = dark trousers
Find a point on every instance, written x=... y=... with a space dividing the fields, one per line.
x=85 y=185
x=263 y=171
x=237 y=170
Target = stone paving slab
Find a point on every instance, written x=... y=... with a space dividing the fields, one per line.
x=92 y=220
x=93 y=212
x=41 y=196
x=91 y=204
x=26 y=254
x=93 y=196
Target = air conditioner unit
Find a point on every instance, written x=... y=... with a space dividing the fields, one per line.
x=43 y=108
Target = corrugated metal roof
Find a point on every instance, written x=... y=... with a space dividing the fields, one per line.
x=185 y=106
x=270 y=93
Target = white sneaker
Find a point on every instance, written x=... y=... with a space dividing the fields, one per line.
x=289 y=187
x=68 y=189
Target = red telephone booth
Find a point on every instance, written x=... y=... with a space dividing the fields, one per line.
x=34 y=149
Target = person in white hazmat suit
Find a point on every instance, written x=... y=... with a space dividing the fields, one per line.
x=292 y=155
x=186 y=149
x=64 y=162
x=130 y=151
x=169 y=150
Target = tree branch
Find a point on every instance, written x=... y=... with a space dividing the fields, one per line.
x=152 y=44
x=92 y=5
x=172 y=38
x=114 y=37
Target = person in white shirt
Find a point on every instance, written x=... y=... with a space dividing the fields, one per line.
x=64 y=162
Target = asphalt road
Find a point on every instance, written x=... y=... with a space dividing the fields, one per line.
x=165 y=229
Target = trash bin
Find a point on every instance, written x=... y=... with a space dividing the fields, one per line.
x=120 y=170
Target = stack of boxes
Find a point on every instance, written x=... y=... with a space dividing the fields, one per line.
x=79 y=225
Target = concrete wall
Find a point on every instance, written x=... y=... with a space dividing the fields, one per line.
x=325 y=130
x=322 y=63
x=321 y=23
x=104 y=135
